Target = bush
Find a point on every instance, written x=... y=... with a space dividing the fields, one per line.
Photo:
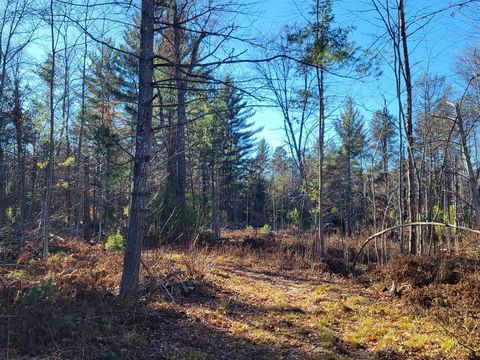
x=421 y=271
x=115 y=242
x=294 y=216
x=42 y=292
x=198 y=264
x=265 y=229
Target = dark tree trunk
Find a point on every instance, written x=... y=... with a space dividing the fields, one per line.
x=51 y=146
x=17 y=122
x=319 y=245
x=82 y=209
x=136 y=226
x=2 y=187
x=412 y=206
x=181 y=174
x=86 y=220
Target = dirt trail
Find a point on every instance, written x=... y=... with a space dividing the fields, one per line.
x=226 y=307
x=298 y=315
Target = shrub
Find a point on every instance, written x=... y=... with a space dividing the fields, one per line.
x=67 y=323
x=265 y=229
x=198 y=264
x=294 y=216
x=40 y=292
x=115 y=242
x=249 y=229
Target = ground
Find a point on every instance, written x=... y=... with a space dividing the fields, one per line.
x=206 y=304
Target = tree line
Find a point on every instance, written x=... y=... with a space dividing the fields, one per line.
x=139 y=119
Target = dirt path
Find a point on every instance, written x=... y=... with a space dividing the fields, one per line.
x=226 y=307
x=256 y=313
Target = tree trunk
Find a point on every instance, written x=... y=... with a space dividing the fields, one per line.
x=181 y=114
x=51 y=145
x=412 y=209
x=472 y=177
x=214 y=201
x=86 y=220
x=136 y=226
x=82 y=210
x=319 y=245
x=2 y=187
x=321 y=157
x=17 y=122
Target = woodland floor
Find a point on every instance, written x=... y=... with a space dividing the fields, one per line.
x=205 y=304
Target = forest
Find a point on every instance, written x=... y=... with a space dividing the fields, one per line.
x=233 y=179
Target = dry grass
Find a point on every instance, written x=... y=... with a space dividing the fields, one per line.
x=252 y=297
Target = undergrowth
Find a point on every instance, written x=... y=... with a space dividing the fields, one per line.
x=67 y=305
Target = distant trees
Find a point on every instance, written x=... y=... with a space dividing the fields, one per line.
x=17 y=28
x=152 y=135
x=280 y=187
x=223 y=140
x=383 y=154
x=290 y=88
x=466 y=117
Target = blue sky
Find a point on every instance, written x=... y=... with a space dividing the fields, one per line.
x=433 y=49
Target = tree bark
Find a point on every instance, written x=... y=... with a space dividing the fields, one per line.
x=18 y=123
x=2 y=186
x=412 y=209
x=181 y=172
x=136 y=228
x=83 y=199
x=86 y=220
x=51 y=145
x=472 y=177
x=319 y=245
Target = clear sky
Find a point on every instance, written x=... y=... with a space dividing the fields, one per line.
x=433 y=49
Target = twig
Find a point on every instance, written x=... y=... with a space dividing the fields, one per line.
x=161 y=282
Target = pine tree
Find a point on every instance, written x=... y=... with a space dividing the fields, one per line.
x=280 y=187
x=328 y=48
x=349 y=127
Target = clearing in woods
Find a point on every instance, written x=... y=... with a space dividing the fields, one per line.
x=206 y=304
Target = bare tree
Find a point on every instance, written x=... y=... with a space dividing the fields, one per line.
x=411 y=176
x=290 y=87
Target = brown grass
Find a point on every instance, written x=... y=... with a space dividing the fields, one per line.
x=249 y=296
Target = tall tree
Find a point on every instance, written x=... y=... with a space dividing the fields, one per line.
x=349 y=127
x=327 y=48
x=411 y=175
x=136 y=225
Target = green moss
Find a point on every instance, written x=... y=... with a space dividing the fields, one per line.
x=367 y=330
x=189 y=353
x=325 y=335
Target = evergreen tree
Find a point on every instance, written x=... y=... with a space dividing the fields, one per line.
x=349 y=128
x=327 y=47
x=255 y=192
x=280 y=187
x=383 y=150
